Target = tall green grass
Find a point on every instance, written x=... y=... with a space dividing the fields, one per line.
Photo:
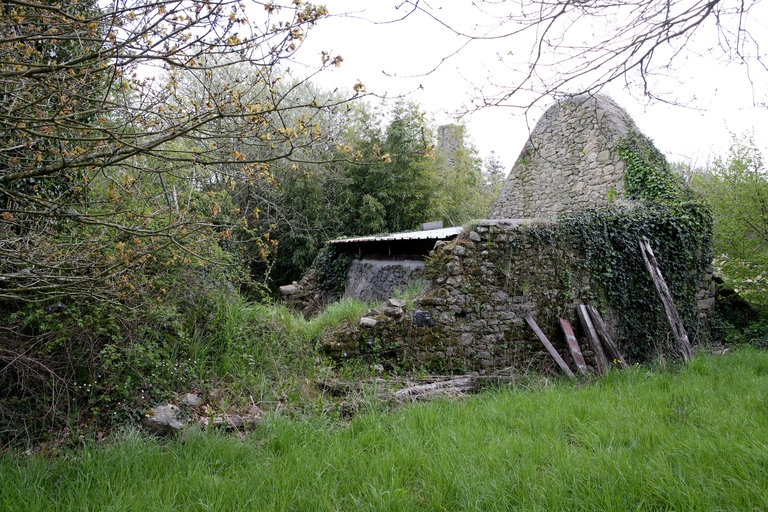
x=261 y=352
x=693 y=438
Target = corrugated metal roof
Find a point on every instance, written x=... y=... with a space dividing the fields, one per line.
x=432 y=234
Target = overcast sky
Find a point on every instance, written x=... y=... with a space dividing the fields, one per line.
x=408 y=49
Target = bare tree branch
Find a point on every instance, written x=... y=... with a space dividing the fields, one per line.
x=580 y=46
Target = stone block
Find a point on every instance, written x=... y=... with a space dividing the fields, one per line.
x=446 y=318
x=289 y=290
x=367 y=322
x=392 y=311
x=453 y=269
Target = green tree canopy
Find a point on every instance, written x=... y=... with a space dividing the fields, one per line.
x=736 y=185
x=96 y=132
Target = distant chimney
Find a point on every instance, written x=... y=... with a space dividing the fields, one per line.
x=450 y=137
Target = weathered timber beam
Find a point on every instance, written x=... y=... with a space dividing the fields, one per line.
x=559 y=360
x=682 y=344
x=610 y=347
x=573 y=347
x=603 y=364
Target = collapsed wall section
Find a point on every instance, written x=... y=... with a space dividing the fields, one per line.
x=569 y=161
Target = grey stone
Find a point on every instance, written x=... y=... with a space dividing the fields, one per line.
x=454 y=269
x=397 y=303
x=578 y=186
x=446 y=318
x=392 y=311
x=567 y=149
x=367 y=321
x=192 y=400
x=289 y=290
x=162 y=420
x=454 y=280
x=475 y=237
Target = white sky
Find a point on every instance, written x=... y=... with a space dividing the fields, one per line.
x=414 y=46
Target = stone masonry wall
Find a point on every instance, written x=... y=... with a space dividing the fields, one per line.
x=568 y=163
x=472 y=316
x=377 y=278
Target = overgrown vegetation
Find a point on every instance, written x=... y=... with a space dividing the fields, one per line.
x=608 y=239
x=648 y=176
x=154 y=174
x=119 y=362
x=656 y=438
x=138 y=216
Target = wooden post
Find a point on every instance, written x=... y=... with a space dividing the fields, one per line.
x=603 y=365
x=573 y=347
x=610 y=347
x=549 y=347
x=682 y=345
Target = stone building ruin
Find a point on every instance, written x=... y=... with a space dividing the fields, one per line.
x=523 y=260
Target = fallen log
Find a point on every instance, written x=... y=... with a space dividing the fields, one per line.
x=455 y=386
x=232 y=422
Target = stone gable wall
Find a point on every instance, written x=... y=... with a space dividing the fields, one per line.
x=568 y=163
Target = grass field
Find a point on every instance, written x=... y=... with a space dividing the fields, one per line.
x=693 y=438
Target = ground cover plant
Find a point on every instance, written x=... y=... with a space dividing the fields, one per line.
x=649 y=438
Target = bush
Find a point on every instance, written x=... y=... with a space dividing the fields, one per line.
x=101 y=362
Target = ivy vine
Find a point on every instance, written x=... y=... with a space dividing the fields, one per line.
x=604 y=242
x=648 y=176
x=331 y=267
